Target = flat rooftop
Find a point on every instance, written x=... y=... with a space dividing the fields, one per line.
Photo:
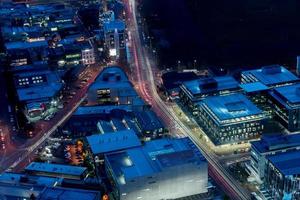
x=208 y=85
x=287 y=163
x=287 y=95
x=25 y=45
x=113 y=25
x=55 y=168
x=110 y=142
x=148 y=120
x=253 y=87
x=270 y=143
x=153 y=157
x=57 y=193
x=272 y=75
x=112 y=74
x=174 y=79
x=95 y=110
x=231 y=106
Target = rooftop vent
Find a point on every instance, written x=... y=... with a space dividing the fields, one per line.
x=236 y=106
x=209 y=83
x=273 y=69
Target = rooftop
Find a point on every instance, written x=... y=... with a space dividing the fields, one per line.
x=113 y=25
x=110 y=142
x=272 y=75
x=287 y=163
x=55 y=168
x=208 y=85
x=111 y=75
x=153 y=157
x=148 y=120
x=57 y=193
x=174 y=79
x=276 y=142
x=90 y=110
x=287 y=95
x=253 y=87
x=231 y=106
x=25 y=45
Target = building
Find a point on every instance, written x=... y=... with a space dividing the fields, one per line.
x=270 y=145
x=101 y=144
x=23 y=186
x=285 y=101
x=282 y=178
x=257 y=93
x=271 y=76
x=38 y=91
x=56 y=170
x=87 y=53
x=172 y=80
x=193 y=91
x=230 y=119
x=112 y=87
x=149 y=124
x=114 y=35
x=160 y=169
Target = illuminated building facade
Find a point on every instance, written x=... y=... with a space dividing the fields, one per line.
x=230 y=119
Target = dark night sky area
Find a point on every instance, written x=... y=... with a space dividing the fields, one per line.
x=225 y=32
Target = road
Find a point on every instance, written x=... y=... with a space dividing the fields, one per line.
x=21 y=155
x=147 y=88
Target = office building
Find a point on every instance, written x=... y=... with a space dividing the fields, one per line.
x=160 y=169
x=114 y=35
x=282 y=178
x=230 y=119
x=193 y=91
x=271 y=76
x=270 y=145
x=285 y=101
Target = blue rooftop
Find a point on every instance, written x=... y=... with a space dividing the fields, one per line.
x=208 y=85
x=148 y=120
x=287 y=95
x=55 y=168
x=153 y=158
x=112 y=25
x=254 y=87
x=272 y=75
x=110 y=142
x=25 y=45
x=231 y=106
x=112 y=74
x=96 y=110
x=57 y=193
x=287 y=163
x=276 y=142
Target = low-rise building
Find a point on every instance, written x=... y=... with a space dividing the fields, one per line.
x=38 y=91
x=112 y=87
x=285 y=101
x=56 y=170
x=149 y=124
x=230 y=119
x=282 y=178
x=270 y=145
x=160 y=169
